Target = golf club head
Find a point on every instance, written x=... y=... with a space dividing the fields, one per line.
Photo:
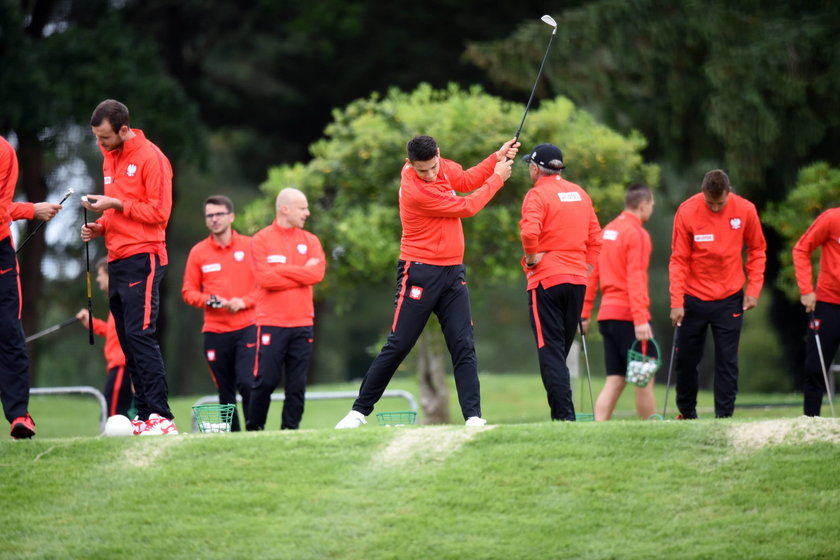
x=550 y=21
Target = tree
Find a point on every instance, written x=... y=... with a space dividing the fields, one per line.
x=353 y=177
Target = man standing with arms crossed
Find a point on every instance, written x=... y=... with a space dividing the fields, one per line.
x=824 y=302
x=707 y=286
x=218 y=278
x=430 y=273
x=288 y=261
x=624 y=312
x=135 y=210
x=561 y=239
x=14 y=361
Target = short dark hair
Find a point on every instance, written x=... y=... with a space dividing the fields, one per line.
x=111 y=110
x=219 y=200
x=636 y=194
x=421 y=148
x=716 y=182
x=102 y=263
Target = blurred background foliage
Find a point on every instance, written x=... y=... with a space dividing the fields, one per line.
x=249 y=96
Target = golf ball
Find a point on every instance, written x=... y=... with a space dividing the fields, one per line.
x=84 y=198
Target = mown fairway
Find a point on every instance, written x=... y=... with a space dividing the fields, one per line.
x=740 y=488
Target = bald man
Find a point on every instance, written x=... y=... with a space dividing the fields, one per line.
x=287 y=262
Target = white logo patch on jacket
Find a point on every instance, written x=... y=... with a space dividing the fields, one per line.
x=108 y=180
x=735 y=223
x=569 y=196
x=704 y=238
x=276 y=259
x=610 y=235
x=302 y=248
x=131 y=170
x=212 y=267
x=239 y=256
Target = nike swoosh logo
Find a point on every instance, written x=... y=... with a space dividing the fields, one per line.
x=132 y=284
x=736 y=315
x=5 y=270
x=250 y=344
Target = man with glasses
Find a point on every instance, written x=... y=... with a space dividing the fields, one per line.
x=218 y=278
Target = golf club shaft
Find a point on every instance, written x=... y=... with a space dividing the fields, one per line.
x=670 y=370
x=66 y=196
x=586 y=360
x=815 y=328
x=52 y=329
x=89 y=295
x=534 y=89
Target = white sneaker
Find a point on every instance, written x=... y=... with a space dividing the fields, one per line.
x=354 y=419
x=475 y=421
x=157 y=425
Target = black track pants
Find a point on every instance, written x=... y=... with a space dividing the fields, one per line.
x=828 y=316
x=230 y=357
x=14 y=361
x=423 y=289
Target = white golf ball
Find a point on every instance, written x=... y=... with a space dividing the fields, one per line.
x=118 y=426
x=84 y=198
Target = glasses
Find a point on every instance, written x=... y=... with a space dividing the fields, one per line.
x=215 y=215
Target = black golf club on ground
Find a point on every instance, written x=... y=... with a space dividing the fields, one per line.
x=670 y=370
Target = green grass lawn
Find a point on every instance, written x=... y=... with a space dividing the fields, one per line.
x=754 y=486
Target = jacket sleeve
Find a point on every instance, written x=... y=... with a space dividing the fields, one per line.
x=285 y=276
x=591 y=292
x=678 y=265
x=22 y=211
x=472 y=178
x=814 y=237
x=595 y=242
x=100 y=327
x=531 y=224
x=637 y=255
x=191 y=287
x=156 y=205
x=427 y=202
x=756 y=254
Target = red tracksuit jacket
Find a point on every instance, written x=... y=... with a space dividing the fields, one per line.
x=113 y=351
x=279 y=255
x=622 y=272
x=431 y=212
x=706 y=250
x=141 y=177
x=558 y=219
x=825 y=233
x=223 y=271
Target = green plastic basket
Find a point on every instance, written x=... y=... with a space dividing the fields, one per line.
x=642 y=367
x=397 y=418
x=213 y=418
x=584 y=417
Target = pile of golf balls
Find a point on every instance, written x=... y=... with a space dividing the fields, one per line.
x=639 y=373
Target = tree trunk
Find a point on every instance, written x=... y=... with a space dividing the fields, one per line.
x=34 y=185
x=434 y=393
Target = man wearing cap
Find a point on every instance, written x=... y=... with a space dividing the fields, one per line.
x=707 y=279
x=562 y=241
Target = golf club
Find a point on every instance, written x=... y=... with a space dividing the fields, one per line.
x=550 y=21
x=66 y=196
x=815 y=326
x=89 y=295
x=670 y=370
x=586 y=360
x=52 y=329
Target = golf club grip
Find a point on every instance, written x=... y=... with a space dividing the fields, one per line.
x=90 y=322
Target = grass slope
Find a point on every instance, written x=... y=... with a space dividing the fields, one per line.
x=624 y=489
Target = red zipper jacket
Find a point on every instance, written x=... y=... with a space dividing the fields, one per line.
x=8 y=182
x=622 y=272
x=431 y=212
x=226 y=272
x=824 y=233
x=706 y=250
x=558 y=219
x=279 y=255
x=113 y=351
x=141 y=177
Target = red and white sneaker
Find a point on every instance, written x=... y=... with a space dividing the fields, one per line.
x=157 y=425
x=23 y=427
x=138 y=426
